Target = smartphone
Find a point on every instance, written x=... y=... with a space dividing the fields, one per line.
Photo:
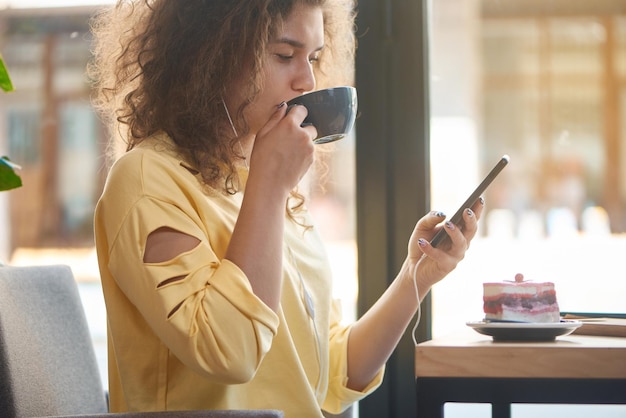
x=457 y=218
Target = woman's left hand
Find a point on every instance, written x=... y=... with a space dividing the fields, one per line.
x=386 y=321
x=444 y=258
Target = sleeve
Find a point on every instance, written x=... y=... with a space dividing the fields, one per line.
x=339 y=396
x=201 y=307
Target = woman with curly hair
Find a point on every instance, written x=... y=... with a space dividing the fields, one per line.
x=217 y=288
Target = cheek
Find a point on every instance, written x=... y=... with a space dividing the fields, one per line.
x=258 y=113
x=274 y=92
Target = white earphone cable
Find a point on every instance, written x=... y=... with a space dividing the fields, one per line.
x=232 y=125
x=310 y=309
x=417 y=297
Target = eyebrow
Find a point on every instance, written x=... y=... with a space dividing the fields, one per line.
x=294 y=43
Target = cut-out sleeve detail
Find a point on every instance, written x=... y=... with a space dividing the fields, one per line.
x=165 y=243
x=174 y=310
x=170 y=280
x=192 y=299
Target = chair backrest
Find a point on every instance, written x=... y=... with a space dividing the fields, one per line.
x=48 y=365
x=47 y=361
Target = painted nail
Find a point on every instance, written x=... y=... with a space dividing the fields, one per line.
x=482 y=200
x=421 y=242
x=439 y=214
x=281 y=105
x=470 y=212
x=449 y=225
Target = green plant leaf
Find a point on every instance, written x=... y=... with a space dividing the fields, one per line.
x=5 y=80
x=8 y=178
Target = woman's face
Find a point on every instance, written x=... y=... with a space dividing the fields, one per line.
x=292 y=55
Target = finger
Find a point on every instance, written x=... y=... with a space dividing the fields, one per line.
x=444 y=261
x=276 y=117
x=430 y=220
x=311 y=130
x=298 y=113
x=454 y=231
x=471 y=224
x=428 y=226
x=478 y=207
x=459 y=242
x=470 y=219
x=425 y=229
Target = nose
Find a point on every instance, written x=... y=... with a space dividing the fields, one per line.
x=305 y=79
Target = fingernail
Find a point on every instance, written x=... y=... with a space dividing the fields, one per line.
x=439 y=214
x=482 y=200
x=291 y=106
x=421 y=242
x=450 y=225
x=281 y=105
x=470 y=212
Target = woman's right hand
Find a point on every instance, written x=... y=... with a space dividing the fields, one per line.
x=281 y=155
x=283 y=149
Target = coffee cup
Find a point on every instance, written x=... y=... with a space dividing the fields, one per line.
x=332 y=111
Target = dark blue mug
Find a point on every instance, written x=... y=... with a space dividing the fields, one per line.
x=332 y=111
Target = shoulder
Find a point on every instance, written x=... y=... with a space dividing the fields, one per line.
x=145 y=184
x=155 y=152
x=153 y=168
x=149 y=181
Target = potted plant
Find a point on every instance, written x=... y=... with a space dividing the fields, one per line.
x=8 y=178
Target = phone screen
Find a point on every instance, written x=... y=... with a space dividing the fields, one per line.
x=457 y=218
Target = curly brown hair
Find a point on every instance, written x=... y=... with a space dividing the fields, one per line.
x=163 y=65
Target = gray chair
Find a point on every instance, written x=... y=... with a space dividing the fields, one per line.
x=48 y=365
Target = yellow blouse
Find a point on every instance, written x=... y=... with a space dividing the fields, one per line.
x=205 y=341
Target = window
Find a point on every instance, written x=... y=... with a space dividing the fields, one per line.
x=545 y=85
x=52 y=132
x=542 y=81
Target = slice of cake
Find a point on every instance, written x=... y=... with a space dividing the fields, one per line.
x=520 y=301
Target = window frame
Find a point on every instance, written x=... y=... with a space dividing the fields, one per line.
x=392 y=171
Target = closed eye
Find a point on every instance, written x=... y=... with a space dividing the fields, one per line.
x=284 y=57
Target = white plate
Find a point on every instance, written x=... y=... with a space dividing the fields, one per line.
x=524 y=331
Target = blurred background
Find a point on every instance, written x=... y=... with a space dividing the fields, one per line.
x=543 y=81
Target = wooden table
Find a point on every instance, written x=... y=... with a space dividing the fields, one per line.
x=469 y=367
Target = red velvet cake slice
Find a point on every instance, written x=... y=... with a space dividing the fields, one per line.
x=520 y=301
